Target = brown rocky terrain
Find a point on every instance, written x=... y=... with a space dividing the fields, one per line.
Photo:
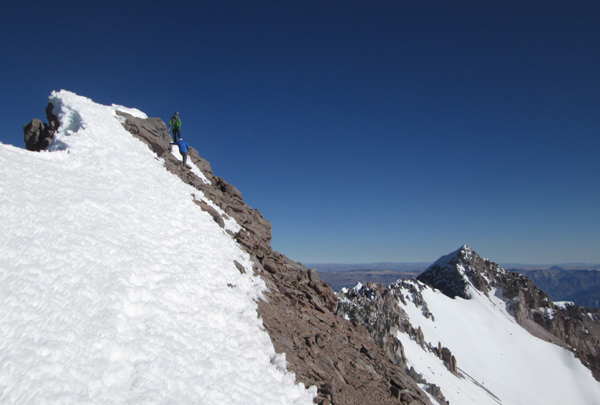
x=341 y=358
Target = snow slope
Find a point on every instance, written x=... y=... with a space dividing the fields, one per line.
x=115 y=287
x=500 y=361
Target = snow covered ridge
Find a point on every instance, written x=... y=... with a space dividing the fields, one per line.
x=116 y=287
x=495 y=346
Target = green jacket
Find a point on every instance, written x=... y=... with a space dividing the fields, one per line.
x=175 y=122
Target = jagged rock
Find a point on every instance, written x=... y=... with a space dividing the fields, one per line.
x=38 y=135
x=228 y=188
x=376 y=307
x=52 y=119
x=448 y=359
x=153 y=131
x=452 y=273
x=339 y=357
x=213 y=212
x=419 y=337
x=240 y=267
x=34 y=136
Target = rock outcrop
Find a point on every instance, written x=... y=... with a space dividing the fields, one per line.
x=340 y=357
x=375 y=306
x=38 y=135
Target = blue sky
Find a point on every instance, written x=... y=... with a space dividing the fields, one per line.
x=364 y=131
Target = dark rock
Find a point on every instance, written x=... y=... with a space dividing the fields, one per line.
x=375 y=307
x=153 y=131
x=239 y=266
x=37 y=135
x=52 y=119
x=213 y=212
x=270 y=266
x=448 y=359
x=228 y=188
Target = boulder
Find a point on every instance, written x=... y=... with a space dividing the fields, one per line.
x=38 y=135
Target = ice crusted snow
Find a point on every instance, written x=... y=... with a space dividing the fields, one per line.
x=115 y=287
x=501 y=363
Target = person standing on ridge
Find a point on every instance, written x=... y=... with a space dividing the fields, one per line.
x=175 y=125
x=183 y=149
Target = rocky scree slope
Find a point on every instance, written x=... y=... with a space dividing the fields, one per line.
x=339 y=357
x=571 y=326
x=376 y=307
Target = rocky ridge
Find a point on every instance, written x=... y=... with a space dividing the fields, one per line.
x=339 y=357
x=376 y=307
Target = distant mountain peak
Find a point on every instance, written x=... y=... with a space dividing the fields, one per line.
x=454 y=273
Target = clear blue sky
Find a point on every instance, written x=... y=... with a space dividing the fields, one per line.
x=363 y=130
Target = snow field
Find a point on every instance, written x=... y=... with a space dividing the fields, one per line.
x=115 y=287
x=495 y=351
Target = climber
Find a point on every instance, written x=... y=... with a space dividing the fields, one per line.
x=175 y=125
x=183 y=149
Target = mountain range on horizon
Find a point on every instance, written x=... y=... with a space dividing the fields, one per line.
x=578 y=285
x=421 y=266
x=127 y=277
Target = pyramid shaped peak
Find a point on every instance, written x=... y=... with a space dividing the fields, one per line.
x=462 y=253
x=454 y=273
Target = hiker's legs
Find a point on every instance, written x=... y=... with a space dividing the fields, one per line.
x=184 y=158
